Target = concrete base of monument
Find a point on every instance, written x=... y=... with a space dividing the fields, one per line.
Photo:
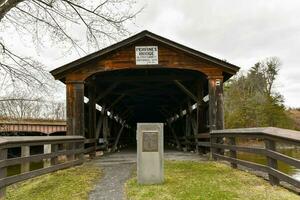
x=150 y=168
x=151 y=172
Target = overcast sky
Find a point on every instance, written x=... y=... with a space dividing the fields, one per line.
x=240 y=31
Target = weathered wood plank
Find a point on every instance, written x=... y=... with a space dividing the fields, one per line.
x=54 y=150
x=17 y=178
x=284 y=158
x=249 y=164
x=75 y=108
x=233 y=153
x=275 y=133
x=272 y=163
x=253 y=150
x=36 y=158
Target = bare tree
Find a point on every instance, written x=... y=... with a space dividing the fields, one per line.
x=24 y=105
x=62 y=23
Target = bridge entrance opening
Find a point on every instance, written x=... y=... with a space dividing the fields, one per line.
x=148 y=95
x=145 y=78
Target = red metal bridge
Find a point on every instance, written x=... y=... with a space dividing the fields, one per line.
x=32 y=126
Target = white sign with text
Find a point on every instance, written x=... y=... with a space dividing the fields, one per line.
x=146 y=55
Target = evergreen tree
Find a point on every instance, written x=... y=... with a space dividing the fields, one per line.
x=250 y=99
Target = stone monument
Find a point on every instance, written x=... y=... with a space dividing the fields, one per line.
x=150 y=153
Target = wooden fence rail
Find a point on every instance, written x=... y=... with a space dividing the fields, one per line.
x=59 y=152
x=222 y=140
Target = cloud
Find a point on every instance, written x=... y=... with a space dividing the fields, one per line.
x=242 y=32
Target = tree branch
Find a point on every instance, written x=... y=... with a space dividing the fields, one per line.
x=6 y=6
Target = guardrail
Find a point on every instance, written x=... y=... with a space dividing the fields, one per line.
x=190 y=142
x=59 y=152
x=226 y=140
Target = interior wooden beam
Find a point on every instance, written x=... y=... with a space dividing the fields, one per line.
x=185 y=90
x=118 y=138
x=107 y=91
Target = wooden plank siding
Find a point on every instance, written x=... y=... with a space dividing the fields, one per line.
x=125 y=59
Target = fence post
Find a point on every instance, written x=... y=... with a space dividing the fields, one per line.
x=47 y=150
x=70 y=147
x=232 y=153
x=25 y=152
x=3 y=171
x=54 y=149
x=272 y=163
x=213 y=149
x=80 y=146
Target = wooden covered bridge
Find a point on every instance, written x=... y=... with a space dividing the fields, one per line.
x=146 y=78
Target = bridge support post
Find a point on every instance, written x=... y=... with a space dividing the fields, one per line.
x=216 y=107
x=75 y=107
x=92 y=116
x=3 y=156
x=25 y=166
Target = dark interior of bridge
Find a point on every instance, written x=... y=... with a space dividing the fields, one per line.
x=149 y=95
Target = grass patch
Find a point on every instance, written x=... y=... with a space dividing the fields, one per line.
x=207 y=181
x=74 y=184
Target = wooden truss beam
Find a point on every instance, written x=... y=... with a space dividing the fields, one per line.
x=118 y=138
x=185 y=90
x=106 y=92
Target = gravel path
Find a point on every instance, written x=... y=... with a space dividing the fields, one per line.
x=111 y=186
x=117 y=169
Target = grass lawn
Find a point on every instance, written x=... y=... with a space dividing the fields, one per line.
x=207 y=181
x=74 y=184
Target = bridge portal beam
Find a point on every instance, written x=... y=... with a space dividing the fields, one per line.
x=75 y=107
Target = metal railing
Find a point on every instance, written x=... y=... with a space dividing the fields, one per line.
x=60 y=152
x=222 y=140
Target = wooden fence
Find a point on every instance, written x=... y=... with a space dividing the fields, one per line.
x=59 y=152
x=222 y=140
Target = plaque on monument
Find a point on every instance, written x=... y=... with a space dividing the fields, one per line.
x=150 y=141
